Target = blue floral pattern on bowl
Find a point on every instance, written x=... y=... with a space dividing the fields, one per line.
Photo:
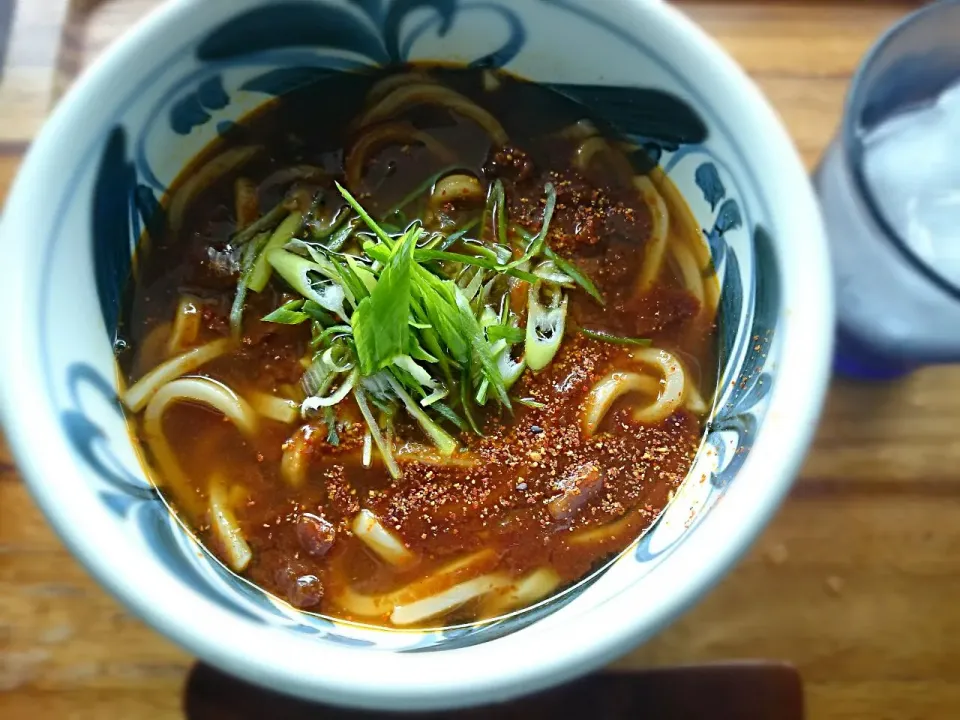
x=273 y=48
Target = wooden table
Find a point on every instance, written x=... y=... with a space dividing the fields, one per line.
x=855 y=582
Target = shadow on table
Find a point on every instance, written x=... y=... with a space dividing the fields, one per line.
x=727 y=691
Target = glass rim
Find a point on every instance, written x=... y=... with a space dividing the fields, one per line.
x=853 y=147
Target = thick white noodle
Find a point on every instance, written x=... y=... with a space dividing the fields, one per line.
x=458 y=186
x=585 y=152
x=672 y=391
x=384 y=87
x=437 y=581
x=688 y=227
x=694 y=401
x=138 y=394
x=294 y=461
x=579 y=131
x=607 y=390
x=692 y=275
x=186 y=326
x=407 y=96
x=657 y=245
x=389 y=133
x=668 y=392
x=203 y=391
x=604 y=532
x=275 y=408
x=369 y=530
x=612 y=159
x=228 y=530
x=534 y=586
x=443 y=602
x=204 y=177
x=289 y=174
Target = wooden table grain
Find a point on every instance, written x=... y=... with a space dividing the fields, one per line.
x=856 y=581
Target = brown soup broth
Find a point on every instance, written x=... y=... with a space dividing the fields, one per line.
x=491 y=504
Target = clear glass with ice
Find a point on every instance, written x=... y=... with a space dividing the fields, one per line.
x=889 y=186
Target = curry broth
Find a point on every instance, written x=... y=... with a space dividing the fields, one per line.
x=492 y=500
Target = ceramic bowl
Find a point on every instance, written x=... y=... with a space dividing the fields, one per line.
x=94 y=179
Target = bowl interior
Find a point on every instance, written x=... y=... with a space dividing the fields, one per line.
x=197 y=67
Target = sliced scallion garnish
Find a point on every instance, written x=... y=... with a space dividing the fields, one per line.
x=615 y=339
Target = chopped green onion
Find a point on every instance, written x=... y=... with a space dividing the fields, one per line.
x=386 y=452
x=439 y=394
x=579 y=277
x=465 y=402
x=365 y=216
x=330 y=420
x=391 y=228
x=415 y=349
x=344 y=359
x=489 y=210
x=333 y=331
x=338 y=239
x=540 y=239
x=481 y=262
x=448 y=414
x=479 y=250
x=509 y=333
x=363 y=274
x=394 y=330
x=500 y=212
x=440 y=437
x=297 y=272
x=530 y=403
x=315 y=402
x=355 y=288
x=471 y=289
x=438 y=299
x=487 y=318
x=453 y=237
x=480 y=350
x=429 y=337
x=288 y=314
x=378 y=252
x=260 y=274
x=407 y=380
x=315 y=377
x=425 y=186
x=250 y=254
x=263 y=224
x=421 y=376
x=510 y=369
x=615 y=339
x=549 y=272
x=481 y=396
x=545 y=327
x=380 y=321
x=316 y=312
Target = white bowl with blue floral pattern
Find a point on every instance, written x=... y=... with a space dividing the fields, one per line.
x=94 y=178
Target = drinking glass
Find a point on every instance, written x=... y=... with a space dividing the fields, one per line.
x=889 y=186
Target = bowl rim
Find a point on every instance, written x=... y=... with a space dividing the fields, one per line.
x=458 y=677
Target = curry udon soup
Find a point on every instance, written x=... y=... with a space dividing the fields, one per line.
x=420 y=348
